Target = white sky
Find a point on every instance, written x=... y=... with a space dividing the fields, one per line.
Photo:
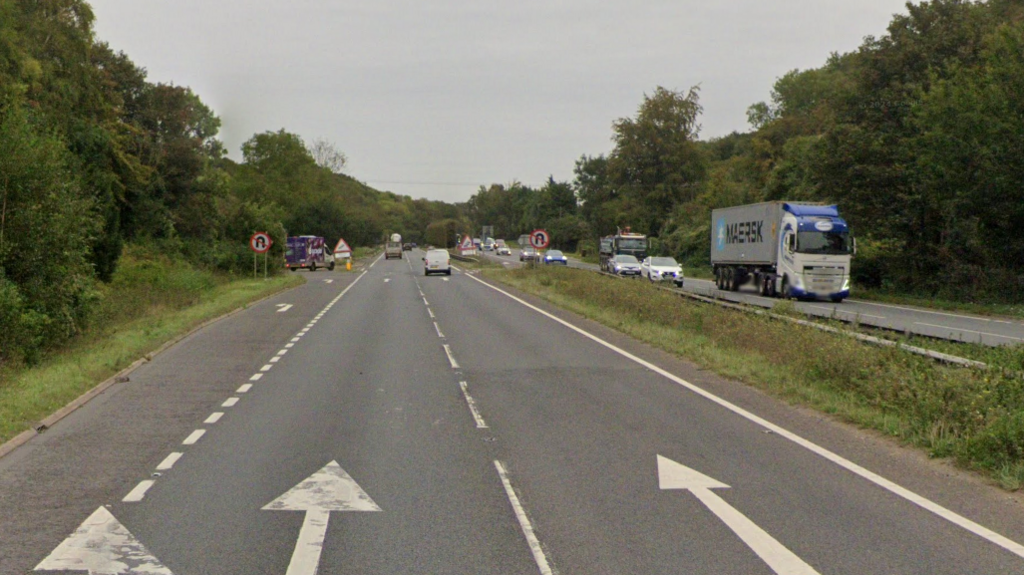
x=432 y=98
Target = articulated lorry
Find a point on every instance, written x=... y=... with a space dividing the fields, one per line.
x=788 y=249
x=624 y=242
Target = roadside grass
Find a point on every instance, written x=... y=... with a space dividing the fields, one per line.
x=974 y=417
x=151 y=300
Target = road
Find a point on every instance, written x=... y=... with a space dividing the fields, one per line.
x=932 y=323
x=389 y=422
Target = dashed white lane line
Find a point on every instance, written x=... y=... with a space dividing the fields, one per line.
x=480 y=423
x=387 y=280
x=524 y=521
x=890 y=486
x=214 y=417
x=230 y=402
x=955 y=329
x=169 y=461
x=451 y=358
x=267 y=367
x=244 y=388
x=290 y=345
x=256 y=377
x=438 y=328
x=275 y=359
x=425 y=302
x=194 y=437
x=294 y=339
x=422 y=294
x=431 y=312
x=136 y=495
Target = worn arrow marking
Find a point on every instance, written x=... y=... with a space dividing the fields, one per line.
x=102 y=546
x=284 y=307
x=328 y=281
x=672 y=475
x=330 y=489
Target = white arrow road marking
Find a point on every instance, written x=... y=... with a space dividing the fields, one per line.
x=281 y=307
x=672 y=475
x=328 y=281
x=330 y=489
x=102 y=546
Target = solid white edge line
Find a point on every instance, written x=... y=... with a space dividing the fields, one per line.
x=169 y=461
x=451 y=358
x=955 y=329
x=244 y=388
x=524 y=521
x=438 y=328
x=214 y=417
x=480 y=423
x=194 y=437
x=920 y=501
x=230 y=402
x=136 y=495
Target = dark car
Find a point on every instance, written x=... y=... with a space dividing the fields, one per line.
x=406 y=247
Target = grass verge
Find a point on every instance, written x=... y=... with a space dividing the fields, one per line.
x=974 y=417
x=151 y=301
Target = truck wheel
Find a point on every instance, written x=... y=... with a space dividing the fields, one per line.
x=331 y=267
x=449 y=272
x=312 y=267
x=787 y=294
x=293 y=269
x=836 y=299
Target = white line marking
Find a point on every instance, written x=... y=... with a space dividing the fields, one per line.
x=422 y=294
x=451 y=358
x=480 y=424
x=294 y=339
x=169 y=461
x=266 y=367
x=300 y=334
x=444 y=279
x=194 y=437
x=924 y=503
x=244 y=388
x=230 y=402
x=439 y=334
x=955 y=329
x=386 y=280
x=431 y=312
x=425 y=302
x=136 y=495
x=291 y=345
x=214 y=417
x=256 y=377
x=282 y=307
x=303 y=331
x=275 y=359
x=917 y=309
x=524 y=521
x=282 y=352
x=858 y=314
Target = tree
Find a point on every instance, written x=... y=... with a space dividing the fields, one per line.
x=327 y=156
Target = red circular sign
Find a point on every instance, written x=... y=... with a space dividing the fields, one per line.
x=260 y=242
x=539 y=239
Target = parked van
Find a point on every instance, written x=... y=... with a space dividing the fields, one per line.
x=437 y=261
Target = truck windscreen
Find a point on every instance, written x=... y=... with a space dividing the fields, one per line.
x=632 y=244
x=826 y=243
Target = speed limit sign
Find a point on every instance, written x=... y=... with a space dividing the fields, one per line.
x=260 y=242
x=539 y=239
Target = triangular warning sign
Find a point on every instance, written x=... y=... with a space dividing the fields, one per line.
x=342 y=247
x=102 y=546
x=467 y=243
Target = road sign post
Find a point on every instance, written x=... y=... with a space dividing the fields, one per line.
x=540 y=239
x=260 y=243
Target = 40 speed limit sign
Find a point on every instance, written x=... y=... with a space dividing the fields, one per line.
x=539 y=239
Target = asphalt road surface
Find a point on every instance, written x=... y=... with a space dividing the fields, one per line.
x=916 y=320
x=389 y=422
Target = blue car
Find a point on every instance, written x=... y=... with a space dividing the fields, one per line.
x=555 y=257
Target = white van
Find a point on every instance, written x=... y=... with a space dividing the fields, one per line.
x=437 y=261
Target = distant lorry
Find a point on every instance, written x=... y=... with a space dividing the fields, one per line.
x=307 y=252
x=623 y=243
x=788 y=249
x=393 y=249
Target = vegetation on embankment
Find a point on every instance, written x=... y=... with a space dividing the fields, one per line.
x=151 y=299
x=975 y=417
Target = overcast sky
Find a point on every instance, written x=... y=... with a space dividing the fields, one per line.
x=432 y=98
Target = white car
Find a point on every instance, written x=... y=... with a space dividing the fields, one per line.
x=503 y=251
x=662 y=269
x=437 y=262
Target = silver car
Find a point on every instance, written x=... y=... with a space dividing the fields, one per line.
x=624 y=265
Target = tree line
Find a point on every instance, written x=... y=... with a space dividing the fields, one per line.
x=94 y=156
x=918 y=136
